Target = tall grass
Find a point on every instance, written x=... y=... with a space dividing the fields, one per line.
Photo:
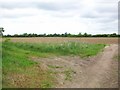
x=68 y=48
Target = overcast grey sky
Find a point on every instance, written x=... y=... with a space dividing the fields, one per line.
x=59 y=16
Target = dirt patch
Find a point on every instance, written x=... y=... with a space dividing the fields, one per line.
x=100 y=71
x=32 y=77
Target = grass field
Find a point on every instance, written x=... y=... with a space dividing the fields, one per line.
x=20 y=71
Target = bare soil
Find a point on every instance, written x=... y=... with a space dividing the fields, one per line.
x=100 y=71
x=66 y=39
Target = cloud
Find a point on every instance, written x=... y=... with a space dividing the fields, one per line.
x=39 y=5
x=17 y=13
x=59 y=16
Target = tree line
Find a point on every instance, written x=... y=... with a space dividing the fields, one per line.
x=57 y=35
x=62 y=35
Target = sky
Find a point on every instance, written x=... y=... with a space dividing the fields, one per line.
x=59 y=16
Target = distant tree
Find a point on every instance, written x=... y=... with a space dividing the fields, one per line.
x=35 y=35
x=1 y=31
x=113 y=35
x=69 y=35
x=44 y=34
x=25 y=34
x=49 y=35
x=16 y=35
x=118 y=35
x=7 y=35
x=89 y=35
x=79 y=35
x=85 y=35
x=30 y=35
x=65 y=34
x=62 y=35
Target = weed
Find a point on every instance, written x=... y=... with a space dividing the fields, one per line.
x=7 y=39
x=46 y=84
x=68 y=73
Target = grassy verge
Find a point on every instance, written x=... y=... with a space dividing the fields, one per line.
x=20 y=71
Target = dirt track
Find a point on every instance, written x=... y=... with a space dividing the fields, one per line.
x=100 y=71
